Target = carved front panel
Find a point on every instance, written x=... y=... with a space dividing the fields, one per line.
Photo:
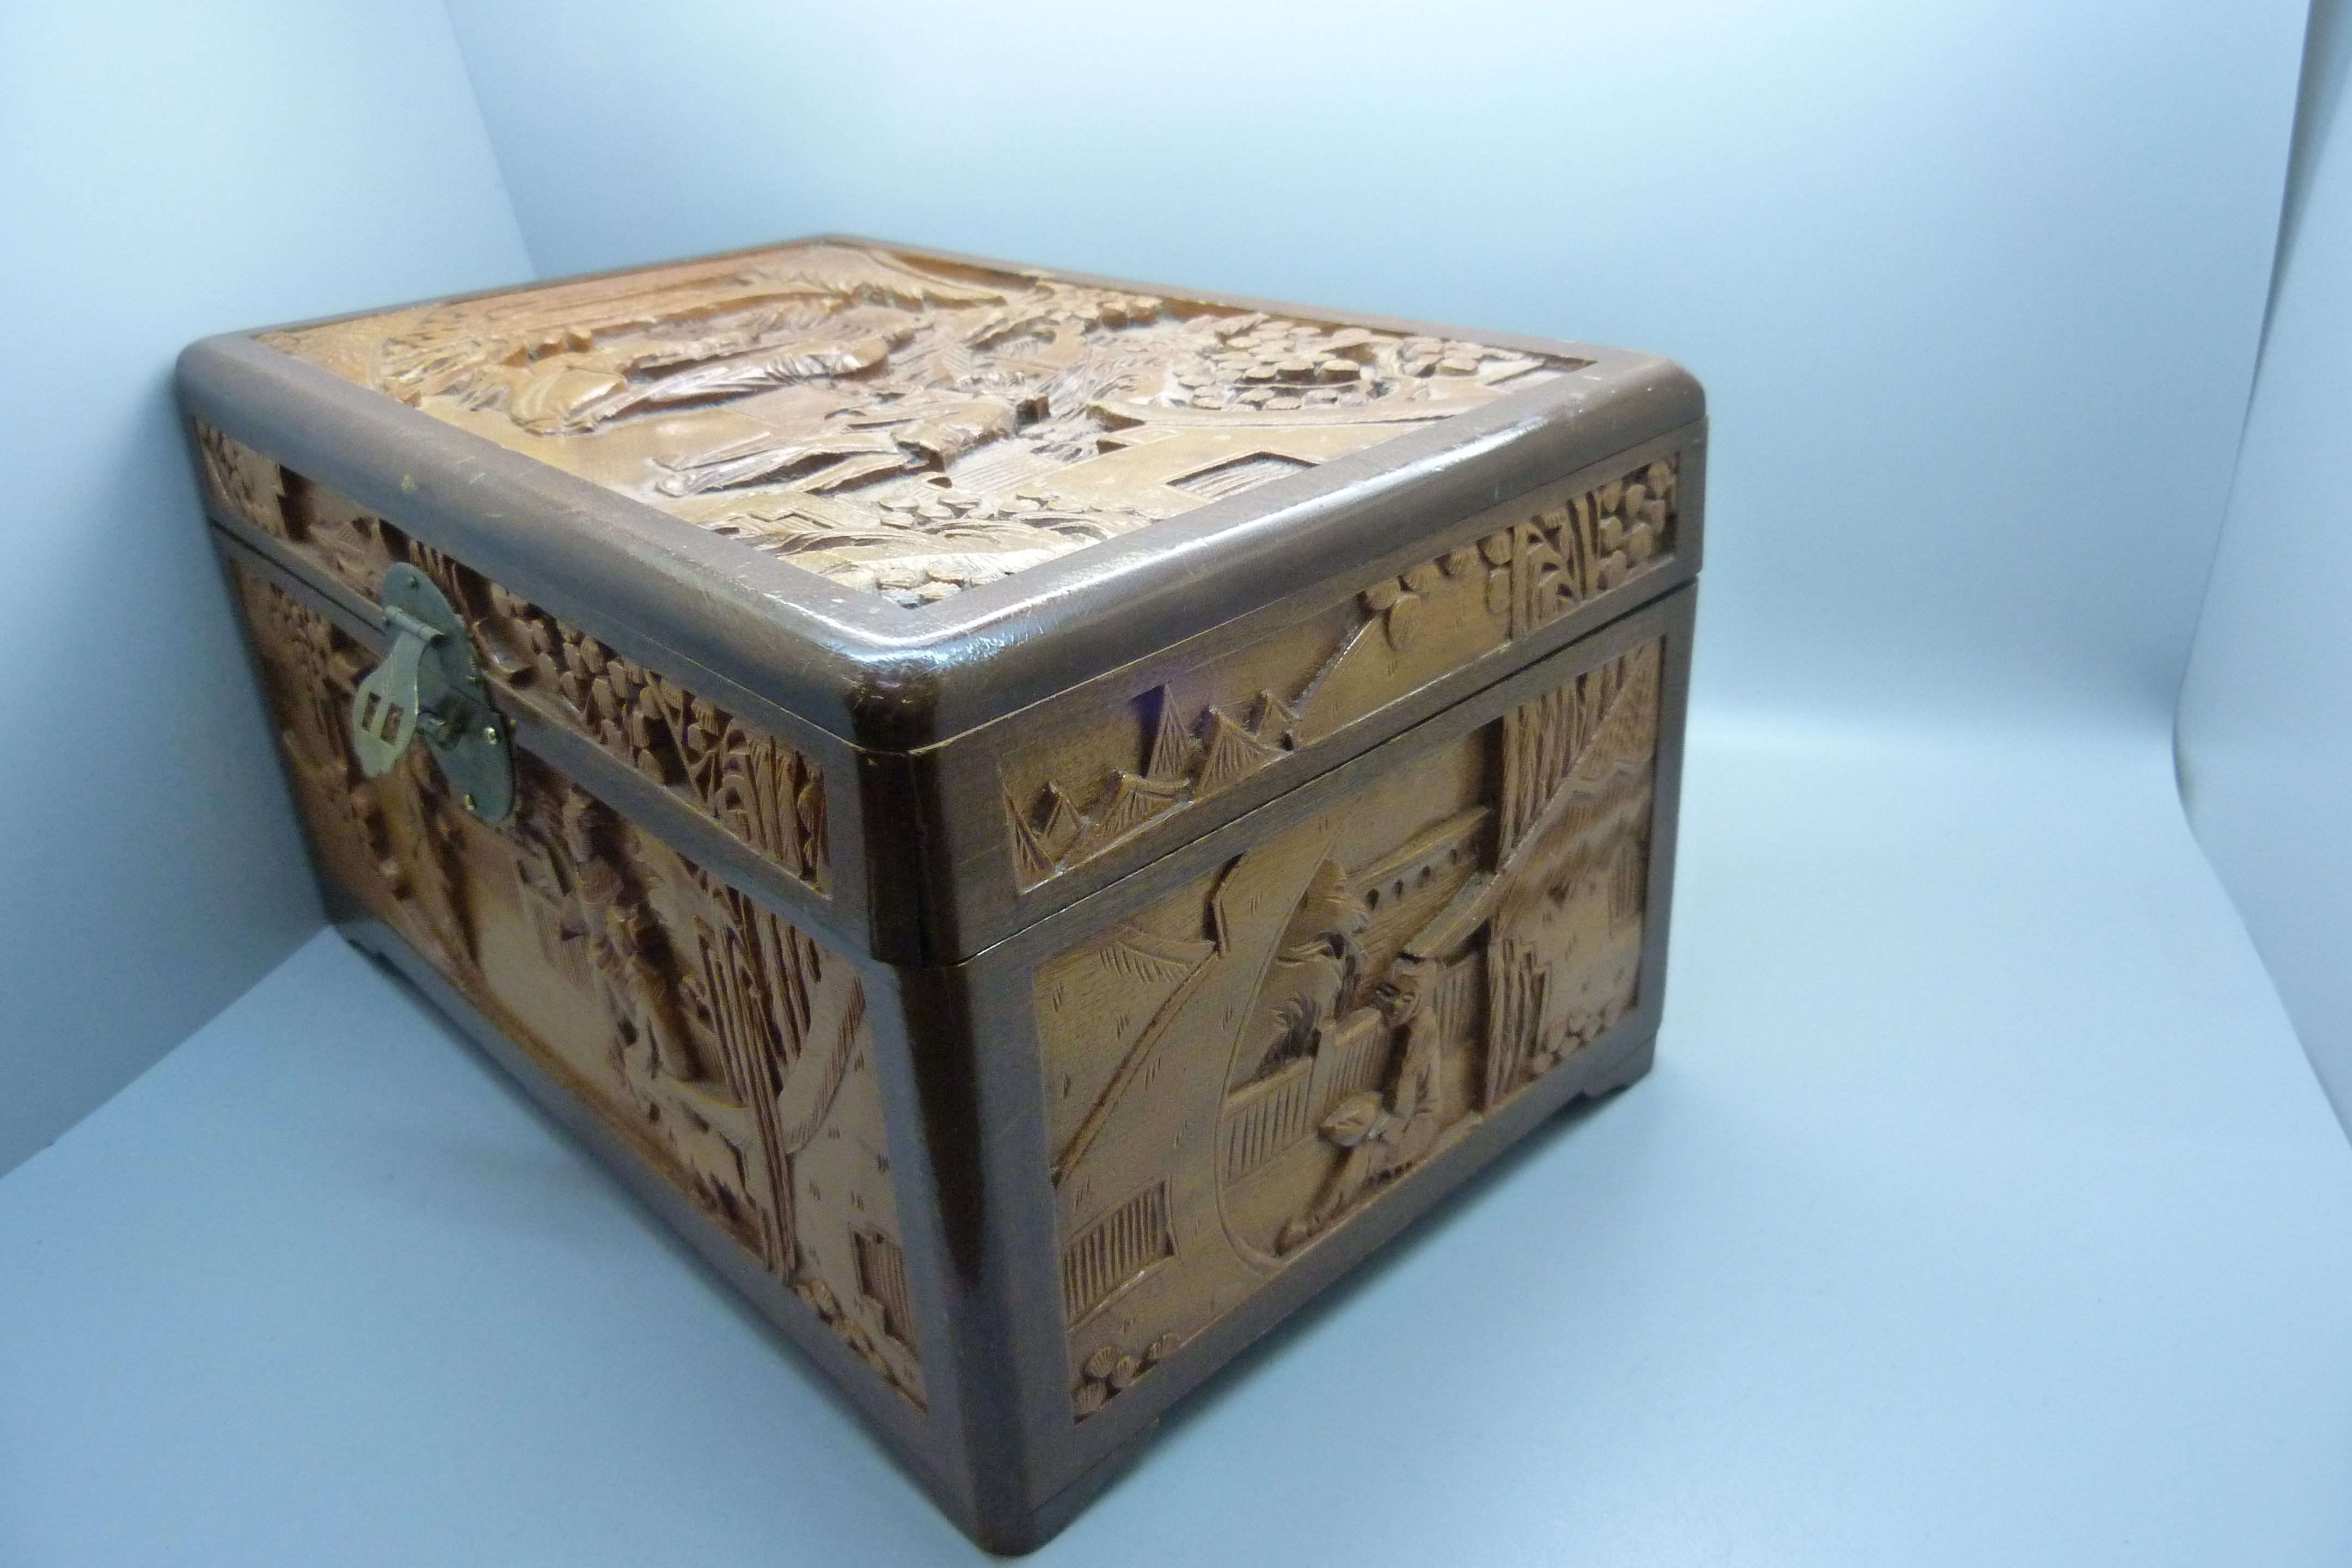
x=730 y=1050
x=904 y=426
x=1083 y=788
x=767 y=794
x=1236 y=1071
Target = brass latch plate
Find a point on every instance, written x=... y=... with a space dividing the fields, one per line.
x=430 y=686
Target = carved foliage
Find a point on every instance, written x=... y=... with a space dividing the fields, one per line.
x=903 y=426
x=728 y=1049
x=1235 y=1072
x=764 y=792
x=1208 y=730
x=241 y=480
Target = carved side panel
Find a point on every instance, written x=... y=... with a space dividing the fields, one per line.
x=764 y=791
x=1072 y=796
x=727 y=1047
x=1234 y=1072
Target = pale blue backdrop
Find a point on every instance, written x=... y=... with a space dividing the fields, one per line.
x=2267 y=713
x=168 y=171
x=1983 y=1207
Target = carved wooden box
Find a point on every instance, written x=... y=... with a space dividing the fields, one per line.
x=1036 y=820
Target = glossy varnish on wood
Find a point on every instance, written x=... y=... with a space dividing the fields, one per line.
x=1052 y=816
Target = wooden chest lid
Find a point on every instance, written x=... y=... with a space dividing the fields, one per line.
x=903 y=493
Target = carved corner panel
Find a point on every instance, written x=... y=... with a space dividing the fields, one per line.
x=767 y=794
x=1074 y=796
x=1236 y=1071
x=902 y=426
x=729 y=1049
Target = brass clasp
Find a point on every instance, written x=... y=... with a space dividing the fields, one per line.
x=429 y=684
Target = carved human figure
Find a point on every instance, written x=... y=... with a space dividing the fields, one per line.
x=627 y=943
x=1384 y=1136
x=1316 y=968
x=1413 y=1093
x=637 y=944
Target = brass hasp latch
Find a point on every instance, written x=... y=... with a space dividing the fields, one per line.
x=430 y=685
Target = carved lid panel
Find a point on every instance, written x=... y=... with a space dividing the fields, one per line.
x=907 y=425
